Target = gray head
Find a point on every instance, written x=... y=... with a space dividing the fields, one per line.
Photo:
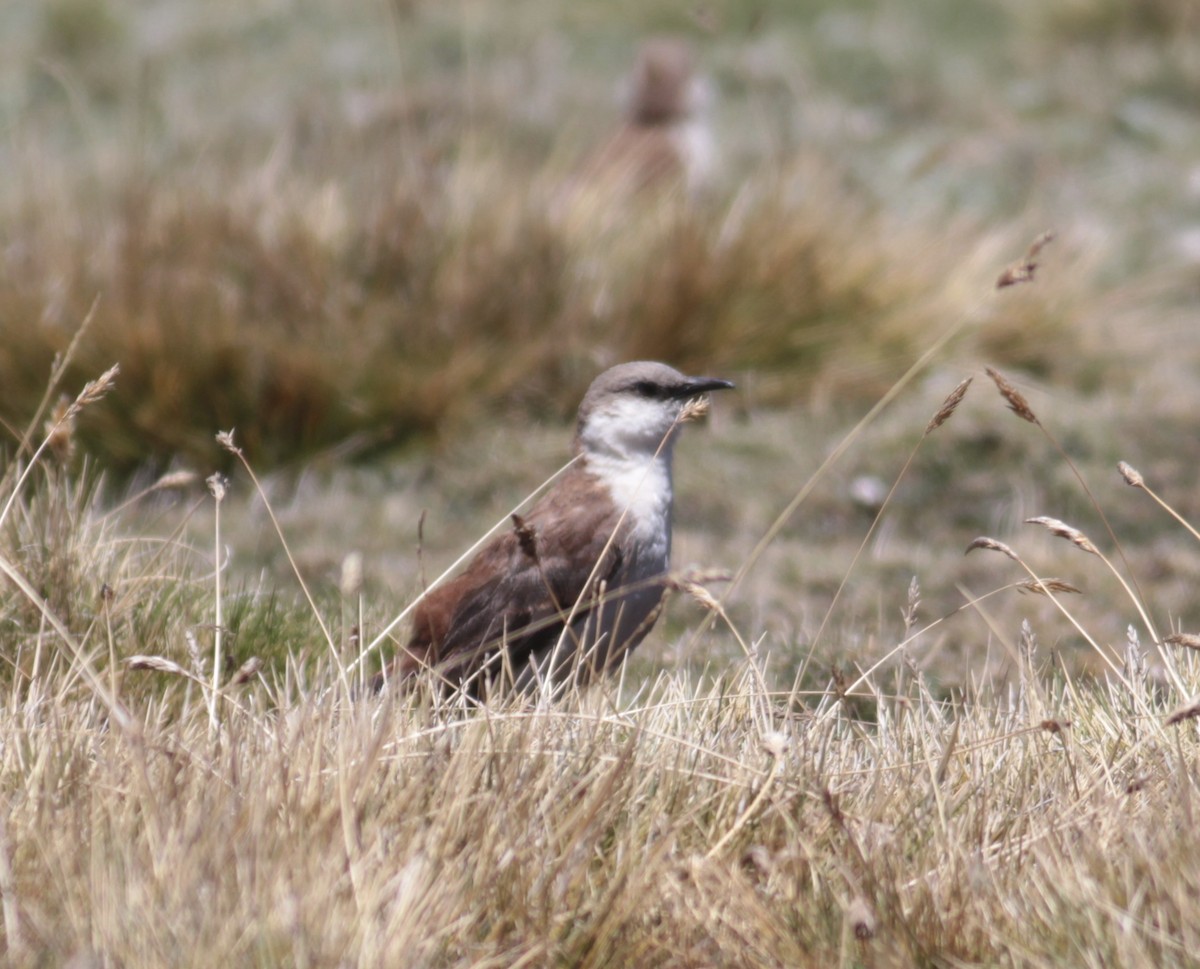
x=632 y=407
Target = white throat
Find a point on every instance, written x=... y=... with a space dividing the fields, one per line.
x=629 y=447
x=641 y=488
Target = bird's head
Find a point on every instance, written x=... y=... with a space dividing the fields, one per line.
x=632 y=408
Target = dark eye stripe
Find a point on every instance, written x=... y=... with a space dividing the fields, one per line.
x=648 y=388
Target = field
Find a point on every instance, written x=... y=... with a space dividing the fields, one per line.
x=326 y=250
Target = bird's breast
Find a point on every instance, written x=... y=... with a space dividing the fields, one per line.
x=642 y=491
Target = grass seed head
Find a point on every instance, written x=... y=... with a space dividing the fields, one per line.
x=1132 y=476
x=992 y=545
x=948 y=406
x=1043 y=586
x=775 y=743
x=225 y=439
x=695 y=409
x=1024 y=270
x=694 y=583
x=94 y=390
x=1016 y=402
x=176 y=479
x=351 y=583
x=217 y=484
x=1063 y=530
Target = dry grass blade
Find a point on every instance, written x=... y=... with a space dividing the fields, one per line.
x=992 y=545
x=160 y=664
x=1016 y=401
x=1187 y=640
x=1024 y=270
x=1043 y=586
x=948 y=406
x=1062 y=530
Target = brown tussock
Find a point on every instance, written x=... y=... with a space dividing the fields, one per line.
x=1054 y=726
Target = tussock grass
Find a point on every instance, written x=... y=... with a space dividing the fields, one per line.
x=448 y=299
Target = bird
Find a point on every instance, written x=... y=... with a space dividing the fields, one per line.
x=665 y=138
x=575 y=584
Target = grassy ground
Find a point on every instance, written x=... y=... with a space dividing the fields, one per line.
x=334 y=229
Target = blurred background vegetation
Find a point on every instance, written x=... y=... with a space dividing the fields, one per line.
x=333 y=226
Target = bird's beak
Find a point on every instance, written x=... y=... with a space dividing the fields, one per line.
x=694 y=386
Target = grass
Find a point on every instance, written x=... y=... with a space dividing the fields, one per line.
x=350 y=245
x=685 y=819
x=869 y=815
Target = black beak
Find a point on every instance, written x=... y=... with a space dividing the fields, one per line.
x=694 y=386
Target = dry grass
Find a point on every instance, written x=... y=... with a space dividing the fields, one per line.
x=165 y=807
x=685 y=822
x=315 y=832
x=459 y=293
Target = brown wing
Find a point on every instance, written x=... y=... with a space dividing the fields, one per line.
x=511 y=602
